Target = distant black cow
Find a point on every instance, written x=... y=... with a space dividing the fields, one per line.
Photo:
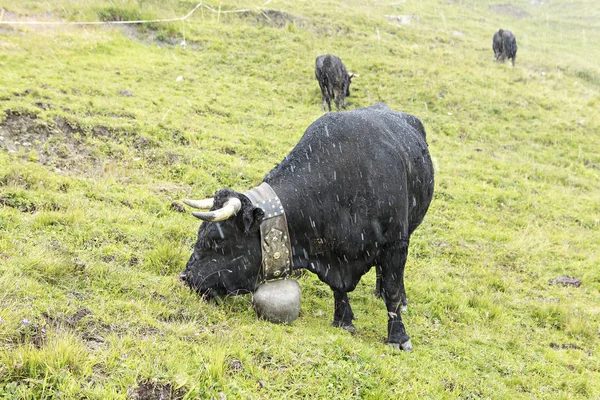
x=333 y=79
x=505 y=46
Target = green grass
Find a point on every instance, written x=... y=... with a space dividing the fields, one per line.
x=108 y=138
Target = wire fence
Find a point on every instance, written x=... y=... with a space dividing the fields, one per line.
x=144 y=21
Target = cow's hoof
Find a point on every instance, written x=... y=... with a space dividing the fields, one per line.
x=403 y=309
x=406 y=346
x=346 y=327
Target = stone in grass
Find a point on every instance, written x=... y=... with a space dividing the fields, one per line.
x=278 y=301
x=564 y=280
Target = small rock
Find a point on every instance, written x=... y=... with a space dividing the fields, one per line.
x=401 y=19
x=125 y=93
x=458 y=34
x=564 y=280
x=43 y=106
x=278 y=301
x=178 y=207
x=236 y=365
x=179 y=79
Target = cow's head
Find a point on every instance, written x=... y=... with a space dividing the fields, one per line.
x=227 y=253
x=348 y=82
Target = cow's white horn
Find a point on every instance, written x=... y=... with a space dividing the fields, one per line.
x=205 y=204
x=231 y=207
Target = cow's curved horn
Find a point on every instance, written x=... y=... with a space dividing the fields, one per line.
x=205 y=204
x=231 y=207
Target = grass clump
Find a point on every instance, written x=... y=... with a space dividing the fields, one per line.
x=110 y=14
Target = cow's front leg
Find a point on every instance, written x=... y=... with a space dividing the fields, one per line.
x=394 y=296
x=342 y=315
x=378 y=284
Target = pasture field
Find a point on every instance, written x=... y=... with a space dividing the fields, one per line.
x=103 y=127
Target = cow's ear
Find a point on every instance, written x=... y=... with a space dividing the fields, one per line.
x=252 y=218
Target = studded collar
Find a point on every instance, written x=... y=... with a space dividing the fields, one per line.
x=276 y=247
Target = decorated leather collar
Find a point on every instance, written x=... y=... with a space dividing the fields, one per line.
x=276 y=248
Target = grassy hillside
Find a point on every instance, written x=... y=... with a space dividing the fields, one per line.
x=102 y=127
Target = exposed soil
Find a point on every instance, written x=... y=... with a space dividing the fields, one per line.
x=35 y=335
x=235 y=365
x=510 y=10
x=400 y=19
x=148 y=36
x=68 y=321
x=177 y=207
x=154 y=391
x=564 y=280
x=277 y=19
x=281 y=19
x=569 y=346
x=59 y=143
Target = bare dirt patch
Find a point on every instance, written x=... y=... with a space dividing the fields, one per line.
x=510 y=10
x=564 y=280
x=59 y=143
x=273 y=18
x=147 y=390
x=569 y=346
x=281 y=19
x=147 y=36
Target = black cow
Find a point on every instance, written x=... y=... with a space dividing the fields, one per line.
x=333 y=79
x=505 y=46
x=354 y=189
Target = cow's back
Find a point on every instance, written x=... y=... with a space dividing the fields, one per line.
x=373 y=160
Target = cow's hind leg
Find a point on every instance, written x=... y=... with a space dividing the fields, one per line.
x=394 y=296
x=343 y=315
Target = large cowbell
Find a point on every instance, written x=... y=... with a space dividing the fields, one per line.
x=279 y=300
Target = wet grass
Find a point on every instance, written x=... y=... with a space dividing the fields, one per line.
x=100 y=136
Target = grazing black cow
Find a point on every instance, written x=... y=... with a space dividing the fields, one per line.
x=505 y=46
x=333 y=79
x=353 y=190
